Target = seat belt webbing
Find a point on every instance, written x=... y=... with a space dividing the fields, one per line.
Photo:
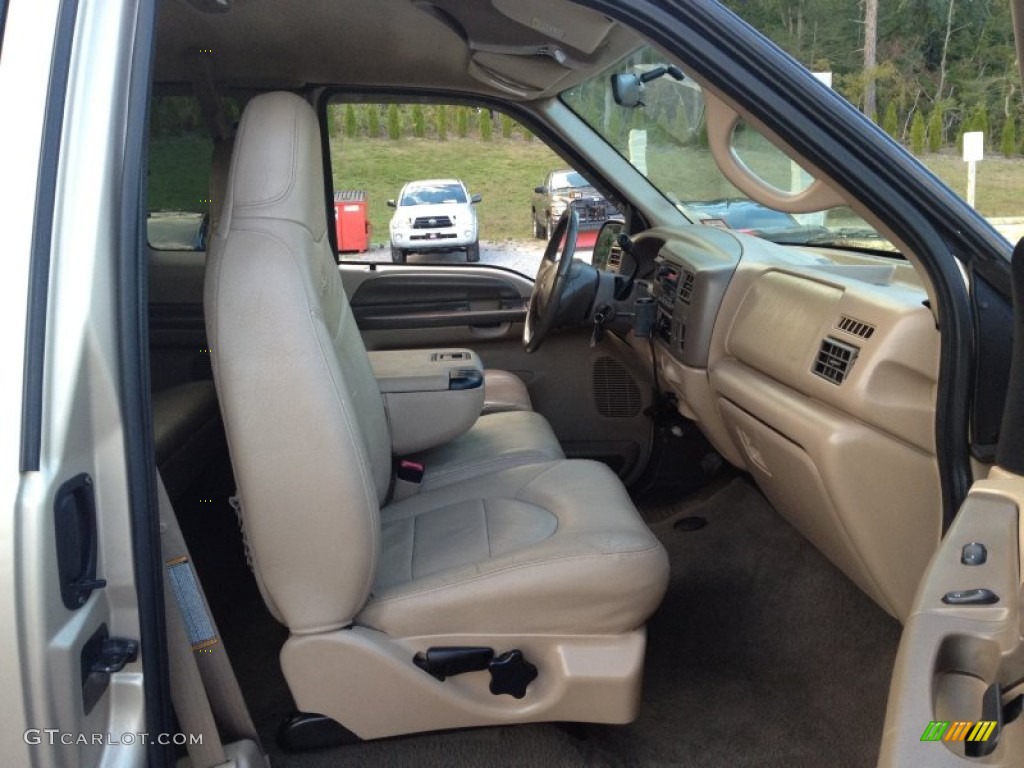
x=211 y=695
x=187 y=692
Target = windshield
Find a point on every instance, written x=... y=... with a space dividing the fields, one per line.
x=433 y=194
x=566 y=179
x=665 y=138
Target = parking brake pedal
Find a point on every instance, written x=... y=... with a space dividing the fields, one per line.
x=510 y=672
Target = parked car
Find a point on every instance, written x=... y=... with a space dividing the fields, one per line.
x=790 y=529
x=561 y=189
x=178 y=230
x=753 y=219
x=434 y=215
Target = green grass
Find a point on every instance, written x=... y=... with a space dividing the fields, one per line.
x=504 y=172
x=1000 y=189
x=179 y=173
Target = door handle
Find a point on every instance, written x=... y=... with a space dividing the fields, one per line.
x=74 y=511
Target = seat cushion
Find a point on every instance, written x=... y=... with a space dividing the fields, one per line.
x=546 y=548
x=496 y=441
x=504 y=391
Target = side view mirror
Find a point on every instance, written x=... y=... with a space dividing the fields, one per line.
x=476 y=199
x=541 y=190
x=391 y=204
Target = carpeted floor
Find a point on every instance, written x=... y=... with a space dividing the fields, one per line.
x=762 y=654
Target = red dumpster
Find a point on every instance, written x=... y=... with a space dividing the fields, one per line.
x=351 y=221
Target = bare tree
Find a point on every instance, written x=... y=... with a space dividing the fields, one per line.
x=945 y=51
x=870 y=56
x=1018 y=37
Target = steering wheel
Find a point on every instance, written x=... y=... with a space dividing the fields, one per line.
x=552 y=278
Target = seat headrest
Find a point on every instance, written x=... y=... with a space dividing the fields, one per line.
x=277 y=168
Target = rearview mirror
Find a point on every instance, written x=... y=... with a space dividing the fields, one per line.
x=627 y=89
x=476 y=199
x=541 y=190
x=391 y=204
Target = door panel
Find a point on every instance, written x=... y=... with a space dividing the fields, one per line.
x=594 y=397
x=394 y=302
x=951 y=654
x=68 y=552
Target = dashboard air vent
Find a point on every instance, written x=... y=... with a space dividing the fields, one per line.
x=834 y=360
x=616 y=393
x=855 y=327
x=686 y=287
x=614 y=258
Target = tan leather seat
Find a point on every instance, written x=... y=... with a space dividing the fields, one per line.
x=550 y=547
x=504 y=391
x=548 y=558
x=497 y=441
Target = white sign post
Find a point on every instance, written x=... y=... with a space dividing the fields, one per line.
x=638 y=149
x=974 y=150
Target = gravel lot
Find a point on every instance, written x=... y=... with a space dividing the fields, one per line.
x=520 y=255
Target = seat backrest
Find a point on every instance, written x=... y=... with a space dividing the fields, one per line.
x=304 y=418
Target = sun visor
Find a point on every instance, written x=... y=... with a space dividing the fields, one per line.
x=564 y=33
x=579 y=28
x=520 y=76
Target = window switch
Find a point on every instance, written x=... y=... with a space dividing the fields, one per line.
x=970 y=597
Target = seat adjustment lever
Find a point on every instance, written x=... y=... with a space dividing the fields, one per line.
x=455 y=660
x=510 y=672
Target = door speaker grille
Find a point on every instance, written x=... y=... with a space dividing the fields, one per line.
x=616 y=393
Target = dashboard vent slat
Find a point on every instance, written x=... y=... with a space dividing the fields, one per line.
x=855 y=327
x=615 y=258
x=686 y=286
x=616 y=394
x=834 y=360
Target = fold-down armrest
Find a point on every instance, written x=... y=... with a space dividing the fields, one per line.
x=431 y=395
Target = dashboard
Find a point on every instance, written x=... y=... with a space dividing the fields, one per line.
x=815 y=371
x=690 y=280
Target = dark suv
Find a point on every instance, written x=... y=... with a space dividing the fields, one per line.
x=560 y=190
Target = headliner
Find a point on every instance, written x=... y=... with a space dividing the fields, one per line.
x=504 y=48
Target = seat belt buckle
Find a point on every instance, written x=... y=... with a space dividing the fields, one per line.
x=410 y=471
x=408 y=477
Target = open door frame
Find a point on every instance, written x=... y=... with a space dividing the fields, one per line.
x=958 y=686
